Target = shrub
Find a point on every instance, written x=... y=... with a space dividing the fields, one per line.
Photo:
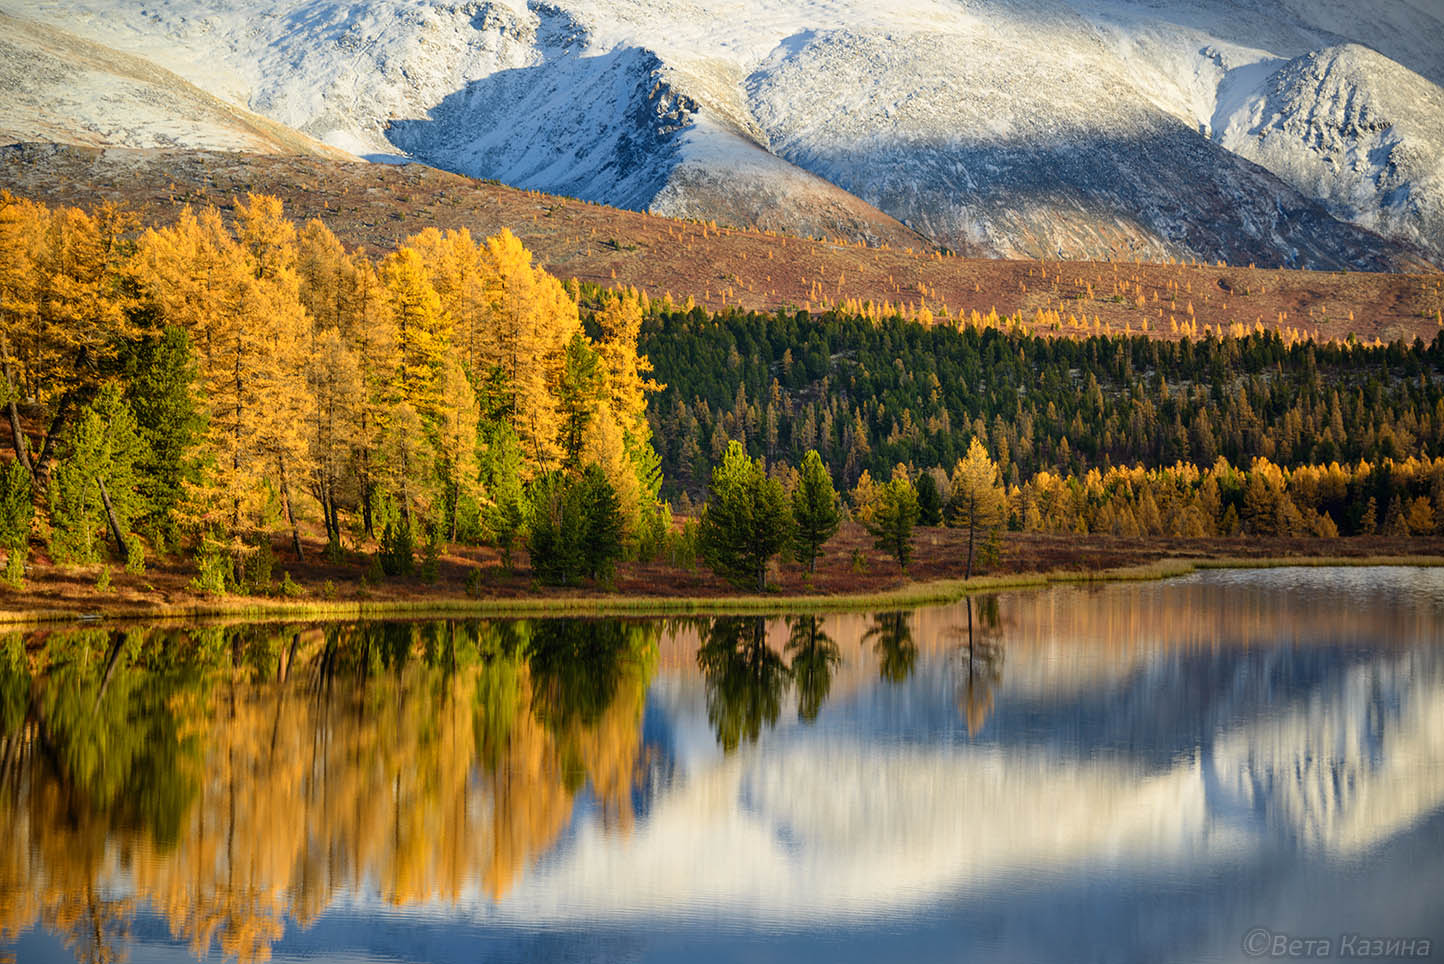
x=682 y=545
x=258 y=564
x=289 y=589
x=213 y=569
x=134 y=555
x=431 y=555
x=17 y=512
x=396 y=552
x=14 y=574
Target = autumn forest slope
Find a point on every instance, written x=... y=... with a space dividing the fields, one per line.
x=376 y=206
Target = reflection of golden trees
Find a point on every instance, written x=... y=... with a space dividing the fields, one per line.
x=305 y=766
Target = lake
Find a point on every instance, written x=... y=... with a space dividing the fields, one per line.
x=1190 y=770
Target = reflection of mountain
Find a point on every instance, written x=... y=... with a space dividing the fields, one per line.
x=1347 y=766
x=837 y=823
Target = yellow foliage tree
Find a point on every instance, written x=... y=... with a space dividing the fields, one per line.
x=241 y=305
x=533 y=321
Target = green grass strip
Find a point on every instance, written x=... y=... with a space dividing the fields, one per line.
x=936 y=592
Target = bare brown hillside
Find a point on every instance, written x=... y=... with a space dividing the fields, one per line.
x=377 y=206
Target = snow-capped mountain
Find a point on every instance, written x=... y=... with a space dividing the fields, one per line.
x=61 y=88
x=1293 y=132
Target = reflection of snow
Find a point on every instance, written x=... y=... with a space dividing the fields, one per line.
x=1346 y=770
x=837 y=831
x=820 y=826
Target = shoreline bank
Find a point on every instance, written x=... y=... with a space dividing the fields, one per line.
x=602 y=605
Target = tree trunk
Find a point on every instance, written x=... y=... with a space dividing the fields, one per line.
x=285 y=660
x=47 y=449
x=112 y=658
x=323 y=497
x=327 y=498
x=405 y=490
x=366 y=524
x=970 y=635
x=236 y=446
x=455 y=512
x=291 y=517
x=17 y=437
x=120 y=544
x=972 y=528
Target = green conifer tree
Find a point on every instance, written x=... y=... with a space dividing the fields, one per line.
x=895 y=514
x=161 y=373
x=746 y=522
x=930 y=501
x=93 y=489
x=601 y=513
x=17 y=511
x=815 y=513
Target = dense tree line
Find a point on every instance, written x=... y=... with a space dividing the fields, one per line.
x=750 y=517
x=869 y=394
x=1184 y=500
x=203 y=384
x=747 y=516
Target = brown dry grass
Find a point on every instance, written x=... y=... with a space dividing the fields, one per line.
x=377 y=206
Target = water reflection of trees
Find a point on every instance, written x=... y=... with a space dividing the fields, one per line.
x=745 y=678
x=891 y=635
x=980 y=655
x=814 y=656
x=231 y=778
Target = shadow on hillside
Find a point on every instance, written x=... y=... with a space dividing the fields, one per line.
x=601 y=127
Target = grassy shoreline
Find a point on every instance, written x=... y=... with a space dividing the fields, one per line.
x=915 y=594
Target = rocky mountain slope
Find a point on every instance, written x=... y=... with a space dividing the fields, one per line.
x=1341 y=101
x=1355 y=129
x=1281 y=132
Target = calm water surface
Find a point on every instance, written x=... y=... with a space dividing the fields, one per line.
x=1127 y=773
